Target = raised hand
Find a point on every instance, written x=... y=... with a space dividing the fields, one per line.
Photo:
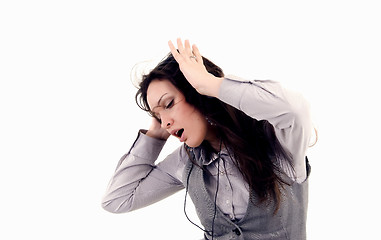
x=192 y=66
x=156 y=131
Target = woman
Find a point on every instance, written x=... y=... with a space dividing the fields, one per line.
x=243 y=161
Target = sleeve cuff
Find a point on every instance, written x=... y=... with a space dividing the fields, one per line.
x=147 y=147
x=231 y=84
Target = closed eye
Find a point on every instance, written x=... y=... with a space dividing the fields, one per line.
x=170 y=104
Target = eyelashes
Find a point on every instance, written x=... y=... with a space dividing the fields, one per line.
x=170 y=104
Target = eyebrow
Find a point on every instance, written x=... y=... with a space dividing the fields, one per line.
x=158 y=102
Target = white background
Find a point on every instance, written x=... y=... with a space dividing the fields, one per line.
x=68 y=112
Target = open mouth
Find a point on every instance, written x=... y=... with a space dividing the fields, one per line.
x=179 y=133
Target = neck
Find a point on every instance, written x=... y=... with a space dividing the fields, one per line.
x=214 y=140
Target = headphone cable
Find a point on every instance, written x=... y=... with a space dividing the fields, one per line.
x=215 y=196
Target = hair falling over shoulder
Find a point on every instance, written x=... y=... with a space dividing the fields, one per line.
x=252 y=143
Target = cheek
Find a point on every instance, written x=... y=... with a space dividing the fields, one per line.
x=184 y=111
x=197 y=122
x=191 y=114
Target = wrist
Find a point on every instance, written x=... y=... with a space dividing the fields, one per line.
x=157 y=134
x=212 y=87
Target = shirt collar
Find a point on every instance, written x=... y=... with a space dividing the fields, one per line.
x=213 y=158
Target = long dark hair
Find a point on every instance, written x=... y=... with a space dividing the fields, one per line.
x=256 y=150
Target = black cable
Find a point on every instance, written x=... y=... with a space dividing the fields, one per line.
x=215 y=196
x=185 y=203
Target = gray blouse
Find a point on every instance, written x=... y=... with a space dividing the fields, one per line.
x=139 y=182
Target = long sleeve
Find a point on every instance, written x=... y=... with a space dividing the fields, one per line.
x=138 y=182
x=286 y=110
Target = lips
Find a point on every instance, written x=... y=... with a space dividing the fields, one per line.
x=178 y=133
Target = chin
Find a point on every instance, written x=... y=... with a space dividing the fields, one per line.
x=193 y=143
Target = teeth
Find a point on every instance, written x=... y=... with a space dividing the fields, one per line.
x=179 y=132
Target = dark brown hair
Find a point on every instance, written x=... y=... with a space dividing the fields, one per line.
x=252 y=143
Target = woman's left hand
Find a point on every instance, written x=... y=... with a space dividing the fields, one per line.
x=192 y=66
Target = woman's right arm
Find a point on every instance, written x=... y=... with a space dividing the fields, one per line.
x=138 y=182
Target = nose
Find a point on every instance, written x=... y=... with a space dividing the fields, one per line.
x=166 y=123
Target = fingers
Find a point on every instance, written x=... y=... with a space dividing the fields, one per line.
x=196 y=52
x=188 y=50
x=180 y=45
x=179 y=53
x=173 y=49
x=184 y=52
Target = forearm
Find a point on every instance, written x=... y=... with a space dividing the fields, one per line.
x=138 y=182
x=265 y=100
x=210 y=86
x=132 y=169
x=286 y=110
